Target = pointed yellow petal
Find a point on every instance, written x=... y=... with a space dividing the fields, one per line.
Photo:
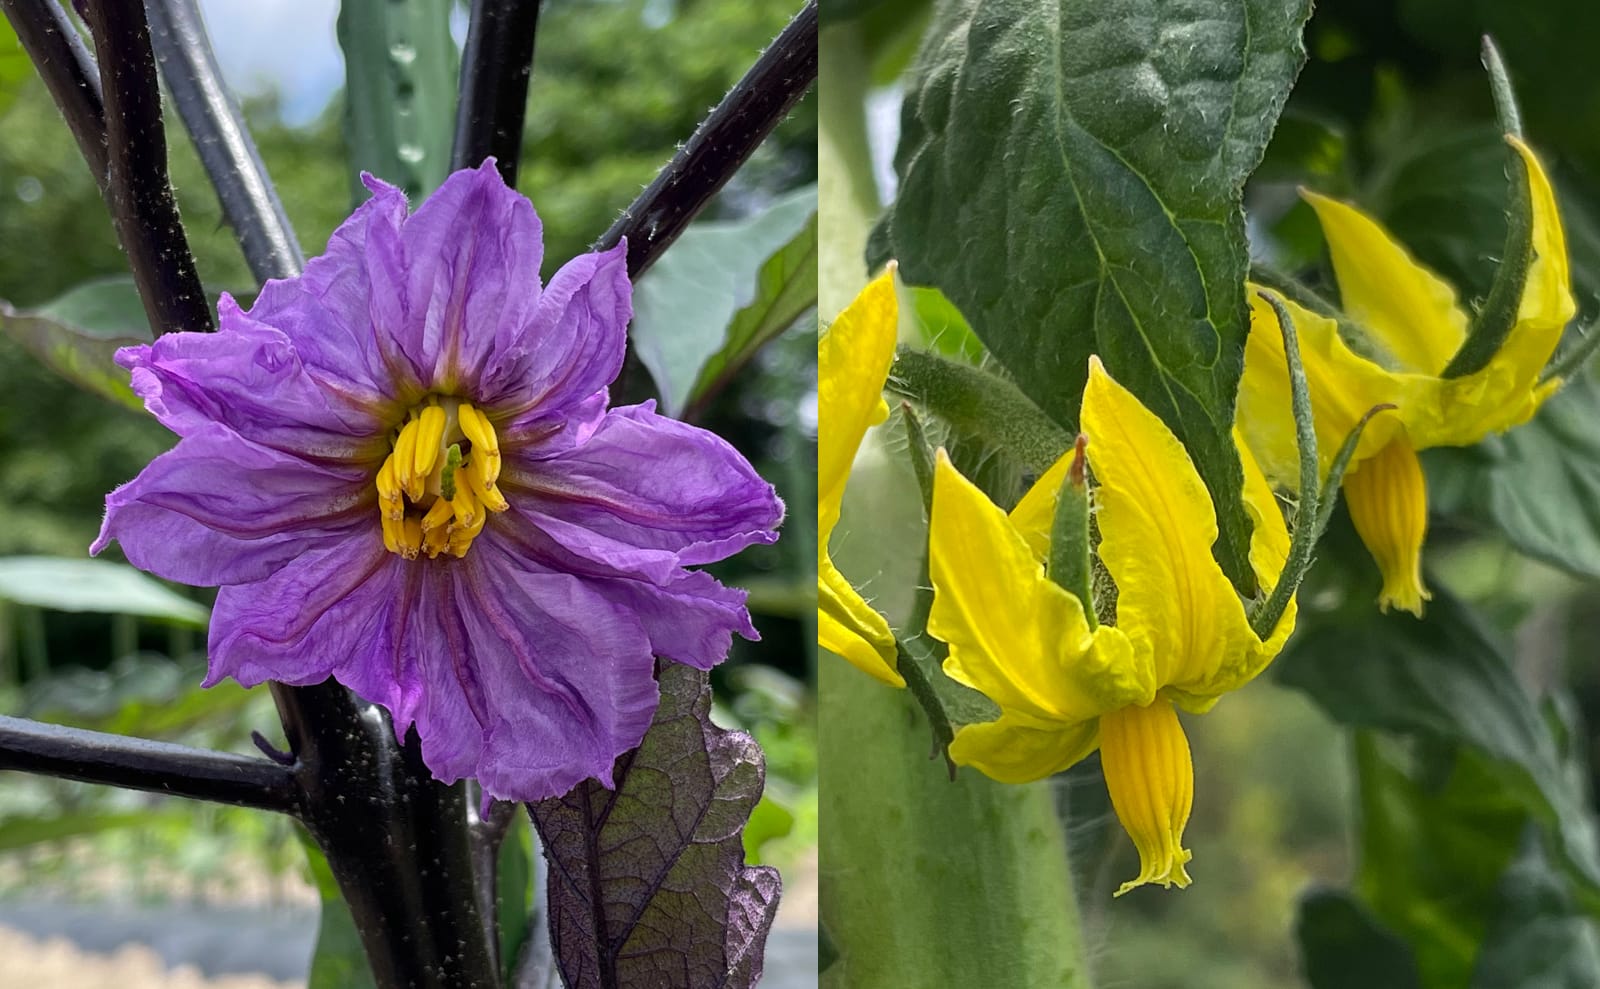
x=1344 y=386
x=1408 y=310
x=1157 y=525
x=853 y=359
x=1388 y=501
x=1019 y=749
x=1149 y=773
x=1015 y=635
x=1035 y=515
x=848 y=625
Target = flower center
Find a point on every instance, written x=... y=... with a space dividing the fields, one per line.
x=437 y=487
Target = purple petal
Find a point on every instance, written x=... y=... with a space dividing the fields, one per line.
x=471 y=256
x=576 y=339
x=219 y=509
x=249 y=378
x=338 y=312
x=655 y=483
x=690 y=620
x=560 y=676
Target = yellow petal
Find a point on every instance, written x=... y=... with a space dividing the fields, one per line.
x=1014 y=634
x=1344 y=387
x=1157 y=525
x=1388 y=501
x=1506 y=393
x=1406 y=309
x=1035 y=515
x=853 y=358
x=848 y=625
x=1149 y=773
x=1019 y=749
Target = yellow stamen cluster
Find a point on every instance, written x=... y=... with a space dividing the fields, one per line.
x=438 y=486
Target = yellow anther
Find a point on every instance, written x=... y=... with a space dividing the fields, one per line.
x=393 y=532
x=490 y=496
x=410 y=538
x=436 y=541
x=430 y=440
x=438 y=516
x=485 y=444
x=389 y=501
x=461 y=537
x=405 y=458
x=468 y=511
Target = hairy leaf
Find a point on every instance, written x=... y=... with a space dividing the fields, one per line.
x=1538 y=485
x=77 y=334
x=1071 y=176
x=648 y=885
x=721 y=293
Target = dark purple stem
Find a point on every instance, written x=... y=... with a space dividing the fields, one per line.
x=135 y=184
x=222 y=140
x=722 y=142
x=496 y=66
x=139 y=764
x=68 y=71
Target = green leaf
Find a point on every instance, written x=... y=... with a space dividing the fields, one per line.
x=1443 y=680
x=1342 y=946
x=721 y=293
x=77 y=334
x=1538 y=485
x=64 y=584
x=15 y=68
x=514 y=891
x=942 y=327
x=339 y=961
x=401 y=73
x=23 y=831
x=1071 y=176
x=768 y=821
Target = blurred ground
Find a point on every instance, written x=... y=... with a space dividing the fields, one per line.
x=105 y=946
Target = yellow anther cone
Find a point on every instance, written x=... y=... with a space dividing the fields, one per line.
x=1150 y=776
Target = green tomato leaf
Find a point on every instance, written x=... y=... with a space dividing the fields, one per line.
x=77 y=334
x=1342 y=946
x=1538 y=485
x=721 y=293
x=1071 y=176
x=1444 y=681
x=64 y=584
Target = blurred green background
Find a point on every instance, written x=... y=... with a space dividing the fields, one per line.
x=617 y=86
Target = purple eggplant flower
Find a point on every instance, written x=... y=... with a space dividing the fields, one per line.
x=401 y=470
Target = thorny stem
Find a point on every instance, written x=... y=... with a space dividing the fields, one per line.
x=140 y=764
x=722 y=142
x=134 y=182
x=496 y=66
x=213 y=120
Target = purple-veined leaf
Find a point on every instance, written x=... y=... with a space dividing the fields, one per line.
x=647 y=882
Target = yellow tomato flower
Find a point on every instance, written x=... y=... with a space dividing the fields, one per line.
x=1405 y=325
x=853 y=359
x=1181 y=634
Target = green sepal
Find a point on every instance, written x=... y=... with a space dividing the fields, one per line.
x=1069 y=564
x=1493 y=322
x=977 y=403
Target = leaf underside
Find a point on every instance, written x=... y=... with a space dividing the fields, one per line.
x=648 y=885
